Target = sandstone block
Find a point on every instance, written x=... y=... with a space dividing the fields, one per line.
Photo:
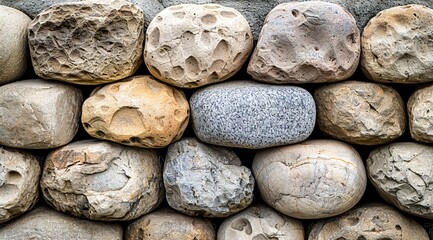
x=138 y=111
x=420 y=111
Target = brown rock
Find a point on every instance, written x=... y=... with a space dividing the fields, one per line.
x=193 y=45
x=360 y=113
x=89 y=42
x=420 y=111
x=138 y=111
x=104 y=181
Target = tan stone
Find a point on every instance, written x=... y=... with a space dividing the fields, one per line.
x=420 y=111
x=192 y=45
x=360 y=112
x=138 y=111
x=100 y=180
x=89 y=42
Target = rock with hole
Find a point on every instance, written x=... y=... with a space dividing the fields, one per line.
x=420 y=113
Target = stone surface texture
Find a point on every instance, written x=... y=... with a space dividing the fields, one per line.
x=38 y=114
x=290 y=48
x=310 y=180
x=104 y=181
x=360 y=112
x=193 y=45
x=138 y=111
x=260 y=222
x=247 y=114
x=13 y=44
x=206 y=180
x=19 y=183
x=420 y=114
x=89 y=42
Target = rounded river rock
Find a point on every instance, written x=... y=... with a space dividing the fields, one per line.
x=420 y=111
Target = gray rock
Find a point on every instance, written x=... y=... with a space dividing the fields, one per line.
x=247 y=114
x=420 y=114
x=206 y=180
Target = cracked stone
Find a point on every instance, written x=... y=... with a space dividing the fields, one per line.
x=420 y=112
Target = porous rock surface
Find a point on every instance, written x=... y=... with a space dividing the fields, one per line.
x=206 y=180
x=360 y=112
x=38 y=114
x=138 y=111
x=420 y=114
x=290 y=48
x=89 y=42
x=248 y=114
x=192 y=45
x=101 y=180
x=310 y=180
x=260 y=222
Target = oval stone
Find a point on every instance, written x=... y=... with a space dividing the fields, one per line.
x=420 y=113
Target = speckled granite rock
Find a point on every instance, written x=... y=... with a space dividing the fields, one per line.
x=38 y=114
x=89 y=42
x=170 y=225
x=420 y=111
x=138 y=111
x=247 y=114
x=193 y=45
x=260 y=222
x=310 y=180
x=360 y=112
x=372 y=221
x=104 y=181
x=206 y=180
x=19 y=183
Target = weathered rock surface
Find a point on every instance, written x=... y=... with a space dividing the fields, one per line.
x=396 y=45
x=206 y=180
x=372 y=221
x=138 y=111
x=193 y=45
x=260 y=222
x=101 y=180
x=38 y=114
x=360 y=112
x=170 y=225
x=45 y=223
x=310 y=180
x=401 y=174
x=420 y=111
x=89 y=42
x=290 y=48
x=247 y=114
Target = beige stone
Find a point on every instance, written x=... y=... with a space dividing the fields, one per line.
x=138 y=111
x=89 y=42
x=192 y=45
x=420 y=111
x=38 y=114
x=360 y=112
x=310 y=180
x=100 y=180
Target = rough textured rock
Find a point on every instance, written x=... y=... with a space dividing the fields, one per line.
x=45 y=223
x=38 y=114
x=193 y=45
x=169 y=225
x=310 y=180
x=372 y=221
x=260 y=222
x=206 y=180
x=360 y=112
x=13 y=44
x=138 y=111
x=290 y=48
x=401 y=174
x=396 y=45
x=19 y=183
x=104 y=181
x=247 y=114
x=89 y=42
x=420 y=111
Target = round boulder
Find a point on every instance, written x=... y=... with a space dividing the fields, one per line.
x=420 y=111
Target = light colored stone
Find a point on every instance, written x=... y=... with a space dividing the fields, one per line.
x=138 y=111
x=206 y=180
x=310 y=180
x=360 y=112
x=193 y=45
x=101 y=180
x=38 y=114
x=260 y=222
x=89 y=42
x=420 y=111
